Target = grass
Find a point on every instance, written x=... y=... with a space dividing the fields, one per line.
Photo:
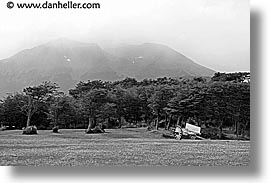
x=117 y=147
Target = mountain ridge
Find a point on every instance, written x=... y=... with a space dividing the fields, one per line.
x=67 y=62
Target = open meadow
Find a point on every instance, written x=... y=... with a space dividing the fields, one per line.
x=117 y=147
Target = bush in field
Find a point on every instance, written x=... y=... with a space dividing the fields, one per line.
x=3 y=128
x=96 y=129
x=55 y=129
x=30 y=130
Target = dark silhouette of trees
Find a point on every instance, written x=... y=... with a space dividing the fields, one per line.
x=33 y=97
x=220 y=102
x=159 y=100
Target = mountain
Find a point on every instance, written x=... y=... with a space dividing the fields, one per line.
x=67 y=62
x=150 y=60
x=63 y=61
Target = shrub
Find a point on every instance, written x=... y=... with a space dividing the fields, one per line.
x=3 y=128
x=30 y=130
x=55 y=129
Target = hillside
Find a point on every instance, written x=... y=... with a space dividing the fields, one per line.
x=67 y=62
x=150 y=60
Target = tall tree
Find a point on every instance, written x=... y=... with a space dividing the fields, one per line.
x=34 y=97
x=119 y=97
x=92 y=103
x=159 y=100
x=55 y=106
x=10 y=111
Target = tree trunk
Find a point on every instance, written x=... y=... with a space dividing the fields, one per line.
x=94 y=122
x=90 y=124
x=55 y=127
x=119 y=121
x=29 y=112
x=169 y=122
x=122 y=121
x=220 y=134
x=157 y=122
x=55 y=117
x=237 y=129
x=181 y=120
x=178 y=120
x=220 y=127
x=28 y=120
x=166 y=121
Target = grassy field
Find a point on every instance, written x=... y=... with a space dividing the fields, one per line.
x=117 y=147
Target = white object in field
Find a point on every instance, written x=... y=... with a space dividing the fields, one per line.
x=178 y=133
x=185 y=132
x=192 y=128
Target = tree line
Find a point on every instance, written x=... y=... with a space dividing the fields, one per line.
x=212 y=103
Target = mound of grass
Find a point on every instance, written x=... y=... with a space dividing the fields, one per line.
x=3 y=128
x=55 y=129
x=96 y=129
x=30 y=130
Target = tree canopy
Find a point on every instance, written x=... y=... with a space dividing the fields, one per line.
x=222 y=101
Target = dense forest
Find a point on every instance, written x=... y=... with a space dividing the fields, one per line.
x=215 y=104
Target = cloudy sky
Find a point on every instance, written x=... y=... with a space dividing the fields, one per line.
x=214 y=33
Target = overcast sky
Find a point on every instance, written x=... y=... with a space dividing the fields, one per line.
x=214 y=33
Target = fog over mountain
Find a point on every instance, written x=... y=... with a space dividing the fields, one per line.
x=67 y=62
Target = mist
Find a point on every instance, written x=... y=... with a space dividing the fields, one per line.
x=213 y=33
